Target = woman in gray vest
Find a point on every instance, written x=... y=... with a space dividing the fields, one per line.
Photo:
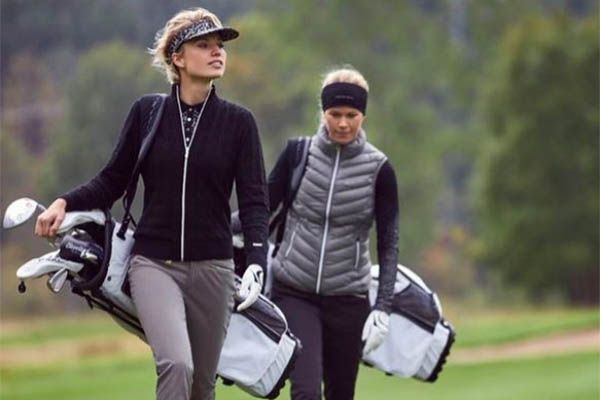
x=321 y=272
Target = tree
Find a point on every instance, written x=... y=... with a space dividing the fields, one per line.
x=539 y=185
x=107 y=81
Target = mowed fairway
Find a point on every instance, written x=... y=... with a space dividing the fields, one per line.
x=89 y=357
x=569 y=377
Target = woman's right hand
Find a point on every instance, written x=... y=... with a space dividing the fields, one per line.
x=49 y=221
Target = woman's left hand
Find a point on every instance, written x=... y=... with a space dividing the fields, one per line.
x=251 y=286
x=375 y=330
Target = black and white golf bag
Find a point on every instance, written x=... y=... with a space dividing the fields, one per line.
x=259 y=350
x=419 y=339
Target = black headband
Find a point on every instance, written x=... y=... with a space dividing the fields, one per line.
x=344 y=94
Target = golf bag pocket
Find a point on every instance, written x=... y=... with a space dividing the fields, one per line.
x=116 y=276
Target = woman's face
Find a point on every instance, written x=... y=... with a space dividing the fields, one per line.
x=204 y=58
x=343 y=123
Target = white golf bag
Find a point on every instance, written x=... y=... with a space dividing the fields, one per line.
x=419 y=339
x=259 y=350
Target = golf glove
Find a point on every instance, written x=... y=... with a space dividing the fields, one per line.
x=375 y=330
x=251 y=285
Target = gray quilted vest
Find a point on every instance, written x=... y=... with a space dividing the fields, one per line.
x=325 y=247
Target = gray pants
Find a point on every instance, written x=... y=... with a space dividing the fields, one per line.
x=184 y=308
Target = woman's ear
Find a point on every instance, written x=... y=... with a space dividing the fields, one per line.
x=178 y=60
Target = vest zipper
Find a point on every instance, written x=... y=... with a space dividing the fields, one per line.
x=287 y=251
x=327 y=211
x=187 y=147
x=356 y=254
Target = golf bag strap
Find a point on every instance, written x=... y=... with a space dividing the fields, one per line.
x=301 y=158
x=154 y=117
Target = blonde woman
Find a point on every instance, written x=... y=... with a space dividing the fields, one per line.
x=321 y=271
x=181 y=269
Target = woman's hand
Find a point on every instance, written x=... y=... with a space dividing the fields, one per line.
x=252 y=283
x=49 y=221
x=375 y=330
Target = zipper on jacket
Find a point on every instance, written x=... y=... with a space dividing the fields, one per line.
x=183 y=186
x=185 y=162
x=296 y=227
x=287 y=251
x=356 y=254
x=327 y=211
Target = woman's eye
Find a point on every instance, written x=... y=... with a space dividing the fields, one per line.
x=221 y=45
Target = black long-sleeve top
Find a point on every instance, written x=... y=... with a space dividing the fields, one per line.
x=386 y=218
x=225 y=149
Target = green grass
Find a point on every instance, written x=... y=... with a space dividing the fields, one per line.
x=474 y=328
x=572 y=376
x=507 y=326
x=37 y=331
x=569 y=377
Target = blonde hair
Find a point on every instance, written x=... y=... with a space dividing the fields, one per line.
x=160 y=57
x=347 y=74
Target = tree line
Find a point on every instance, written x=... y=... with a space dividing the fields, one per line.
x=487 y=110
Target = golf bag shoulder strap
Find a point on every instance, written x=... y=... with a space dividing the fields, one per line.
x=152 y=121
x=300 y=149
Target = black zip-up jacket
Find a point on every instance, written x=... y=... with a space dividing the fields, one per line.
x=225 y=149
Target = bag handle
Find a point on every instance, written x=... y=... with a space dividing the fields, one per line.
x=278 y=222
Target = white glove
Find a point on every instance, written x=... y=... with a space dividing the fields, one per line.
x=251 y=285
x=238 y=241
x=375 y=330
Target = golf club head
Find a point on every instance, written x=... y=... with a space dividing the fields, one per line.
x=57 y=280
x=20 y=211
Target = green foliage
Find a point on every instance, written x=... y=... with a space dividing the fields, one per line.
x=426 y=62
x=107 y=81
x=288 y=48
x=540 y=182
x=16 y=169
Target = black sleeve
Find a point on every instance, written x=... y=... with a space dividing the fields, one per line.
x=386 y=217
x=251 y=188
x=110 y=183
x=279 y=178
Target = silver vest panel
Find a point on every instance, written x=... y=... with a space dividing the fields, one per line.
x=325 y=247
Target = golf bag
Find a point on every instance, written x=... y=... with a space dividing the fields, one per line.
x=419 y=339
x=259 y=350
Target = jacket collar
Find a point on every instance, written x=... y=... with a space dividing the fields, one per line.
x=347 y=150
x=211 y=98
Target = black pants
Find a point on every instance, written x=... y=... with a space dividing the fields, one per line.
x=330 y=329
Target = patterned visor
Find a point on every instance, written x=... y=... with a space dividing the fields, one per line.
x=203 y=27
